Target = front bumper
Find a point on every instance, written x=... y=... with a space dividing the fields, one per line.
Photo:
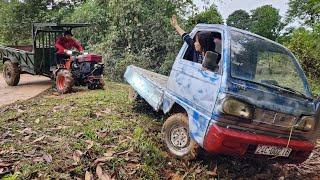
x=239 y=143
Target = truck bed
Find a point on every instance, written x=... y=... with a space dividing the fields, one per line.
x=149 y=85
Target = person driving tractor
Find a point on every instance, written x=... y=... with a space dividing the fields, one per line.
x=64 y=44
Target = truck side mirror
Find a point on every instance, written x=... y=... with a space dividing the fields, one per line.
x=210 y=61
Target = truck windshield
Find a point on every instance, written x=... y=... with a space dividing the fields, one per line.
x=264 y=62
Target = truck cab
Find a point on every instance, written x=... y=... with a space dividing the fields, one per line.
x=255 y=101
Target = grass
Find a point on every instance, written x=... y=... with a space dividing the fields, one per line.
x=107 y=130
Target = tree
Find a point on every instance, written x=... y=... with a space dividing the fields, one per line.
x=306 y=10
x=305 y=45
x=96 y=14
x=16 y=17
x=209 y=16
x=266 y=22
x=239 y=19
x=139 y=33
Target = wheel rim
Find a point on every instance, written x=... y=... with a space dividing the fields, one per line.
x=179 y=137
x=61 y=82
x=7 y=73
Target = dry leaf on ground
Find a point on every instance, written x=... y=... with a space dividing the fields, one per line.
x=47 y=158
x=26 y=131
x=38 y=140
x=3 y=164
x=79 y=135
x=101 y=174
x=90 y=144
x=213 y=172
x=88 y=176
x=38 y=159
x=102 y=159
x=77 y=156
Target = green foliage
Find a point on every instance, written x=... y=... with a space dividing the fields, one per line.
x=14 y=21
x=266 y=22
x=139 y=33
x=239 y=19
x=305 y=45
x=17 y=16
x=305 y=10
x=91 y=12
x=209 y=16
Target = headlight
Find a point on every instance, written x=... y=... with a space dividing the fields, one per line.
x=307 y=123
x=236 y=108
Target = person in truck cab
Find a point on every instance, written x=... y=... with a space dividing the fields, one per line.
x=197 y=48
x=64 y=44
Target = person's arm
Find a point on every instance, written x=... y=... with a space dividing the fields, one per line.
x=175 y=24
x=59 y=47
x=77 y=45
x=185 y=36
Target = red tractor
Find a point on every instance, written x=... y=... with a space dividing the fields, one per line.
x=81 y=69
x=39 y=58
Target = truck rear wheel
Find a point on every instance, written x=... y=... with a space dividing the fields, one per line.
x=64 y=81
x=11 y=73
x=175 y=132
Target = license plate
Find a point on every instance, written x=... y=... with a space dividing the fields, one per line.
x=273 y=151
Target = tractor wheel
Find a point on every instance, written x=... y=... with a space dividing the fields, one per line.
x=11 y=73
x=64 y=81
x=175 y=132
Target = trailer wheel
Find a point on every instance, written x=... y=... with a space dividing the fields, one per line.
x=175 y=132
x=64 y=81
x=11 y=73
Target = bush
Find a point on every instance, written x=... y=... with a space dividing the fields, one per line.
x=141 y=35
x=304 y=44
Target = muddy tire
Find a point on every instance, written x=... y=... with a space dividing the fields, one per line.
x=11 y=73
x=64 y=81
x=175 y=133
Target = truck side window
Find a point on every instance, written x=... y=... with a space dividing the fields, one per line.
x=213 y=44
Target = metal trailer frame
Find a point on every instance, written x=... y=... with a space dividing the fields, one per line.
x=42 y=57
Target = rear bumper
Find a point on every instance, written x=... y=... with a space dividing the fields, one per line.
x=238 y=143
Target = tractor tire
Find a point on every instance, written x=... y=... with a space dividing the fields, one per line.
x=11 y=73
x=175 y=132
x=64 y=81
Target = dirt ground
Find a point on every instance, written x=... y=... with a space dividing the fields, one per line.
x=28 y=87
x=93 y=134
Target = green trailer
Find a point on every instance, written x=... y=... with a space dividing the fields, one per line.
x=36 y=59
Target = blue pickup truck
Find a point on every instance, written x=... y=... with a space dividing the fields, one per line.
x=253 y=100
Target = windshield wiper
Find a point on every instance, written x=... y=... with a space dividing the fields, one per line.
x=291 y=90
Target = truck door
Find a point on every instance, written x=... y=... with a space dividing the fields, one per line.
x=195 y=86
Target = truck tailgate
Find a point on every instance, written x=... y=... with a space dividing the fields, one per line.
x=149 y=85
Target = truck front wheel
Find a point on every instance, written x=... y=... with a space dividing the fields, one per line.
x=11 y=73
x=64 y=81
x=175 y=132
